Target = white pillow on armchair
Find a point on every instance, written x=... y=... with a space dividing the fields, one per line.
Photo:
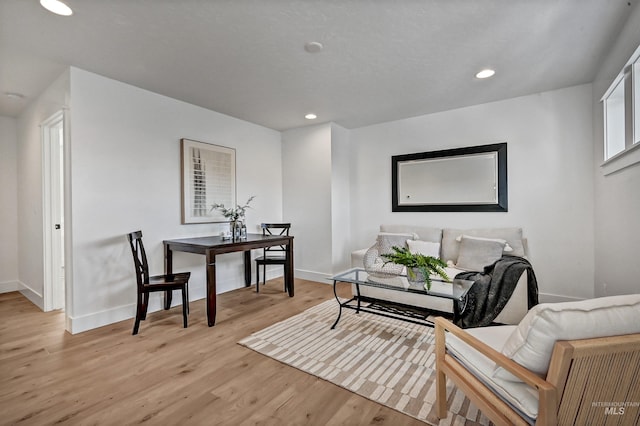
x=531 y=343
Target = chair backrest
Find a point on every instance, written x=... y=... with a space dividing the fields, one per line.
x=531 y=345
x=592 y=374
x=275 y=229
x=139 y=257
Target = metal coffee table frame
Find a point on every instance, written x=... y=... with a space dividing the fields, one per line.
x=390 y=309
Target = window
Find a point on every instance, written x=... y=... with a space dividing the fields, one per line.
x=621 y=106
x=614 y=120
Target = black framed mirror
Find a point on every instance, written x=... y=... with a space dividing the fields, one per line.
x=470 y=179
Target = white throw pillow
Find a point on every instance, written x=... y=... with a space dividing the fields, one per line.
x=507 y=247
x=426 y=248
x=476 y=253
x=531 y=343
x=450 y=247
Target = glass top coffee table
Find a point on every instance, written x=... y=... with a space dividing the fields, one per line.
x=455 y=290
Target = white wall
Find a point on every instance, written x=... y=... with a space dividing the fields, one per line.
x=307 y=189
x=125 y=149
x=340 y=199
x=550 y=177
x=316 y=176
x=30 y=184
x=8 y=205
x=617 y=196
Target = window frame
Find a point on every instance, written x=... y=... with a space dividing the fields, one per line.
x=630 y=155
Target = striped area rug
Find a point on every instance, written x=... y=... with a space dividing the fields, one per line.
x=383 y=359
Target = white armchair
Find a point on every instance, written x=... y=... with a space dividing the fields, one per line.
x=565 y=363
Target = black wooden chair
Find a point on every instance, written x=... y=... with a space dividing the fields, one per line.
x=148 y=284
x=271 y=255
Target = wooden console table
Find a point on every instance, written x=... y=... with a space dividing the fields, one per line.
x=214 y=245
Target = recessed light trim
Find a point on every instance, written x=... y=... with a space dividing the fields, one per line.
x=313 y=47
x=311 y=116
x=57 y=7
x=485 y=73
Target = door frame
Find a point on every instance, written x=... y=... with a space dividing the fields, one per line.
x=53 y=249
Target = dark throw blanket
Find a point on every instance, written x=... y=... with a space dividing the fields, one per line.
x=492 y=290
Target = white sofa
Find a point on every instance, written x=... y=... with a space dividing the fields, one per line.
x=449 y=250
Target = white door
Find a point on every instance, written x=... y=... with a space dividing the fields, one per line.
x=53 y=190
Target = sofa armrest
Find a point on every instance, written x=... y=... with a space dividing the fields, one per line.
x=357 y=258
x=518 y=305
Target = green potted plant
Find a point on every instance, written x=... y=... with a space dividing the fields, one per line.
x=419 y=267
x=235 y=215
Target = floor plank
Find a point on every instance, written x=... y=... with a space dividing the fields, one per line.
x=169 y=375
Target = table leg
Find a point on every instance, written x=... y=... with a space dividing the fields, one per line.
x=247 y=268
x=335 y=293
x=211 y=288
x=288 y=269
x=168 y=270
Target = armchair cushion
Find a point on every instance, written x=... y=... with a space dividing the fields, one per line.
x=518 y=395
x=531 y=343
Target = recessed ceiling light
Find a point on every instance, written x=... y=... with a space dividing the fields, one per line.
x=313 y=47
x=14 y=95
x=486 y=73
x=57 y=7
x=310 y=116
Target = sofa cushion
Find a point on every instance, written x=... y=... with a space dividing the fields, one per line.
x=476 y=253
x=531 y=343
x=425 y=233
x=450 y=246
x=426 y=248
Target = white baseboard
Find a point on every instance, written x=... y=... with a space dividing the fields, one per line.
x=79 y=324
x=313 y=276
x=299 y=273
x=100 y=319
x=9 y=286
x=34 y=297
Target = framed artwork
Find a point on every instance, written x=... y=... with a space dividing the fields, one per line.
x=208 y=178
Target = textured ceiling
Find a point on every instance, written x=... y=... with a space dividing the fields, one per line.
x=382 y=60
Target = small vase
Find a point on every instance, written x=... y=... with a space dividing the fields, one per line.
x=414 y=275
x=416 y=278
x=232 y=228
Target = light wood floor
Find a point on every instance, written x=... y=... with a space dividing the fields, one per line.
x=168 y=375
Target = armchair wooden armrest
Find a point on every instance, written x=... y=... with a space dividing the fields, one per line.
x=583 y=375
x=486 y=400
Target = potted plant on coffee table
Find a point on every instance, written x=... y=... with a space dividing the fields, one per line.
x=419 y=267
